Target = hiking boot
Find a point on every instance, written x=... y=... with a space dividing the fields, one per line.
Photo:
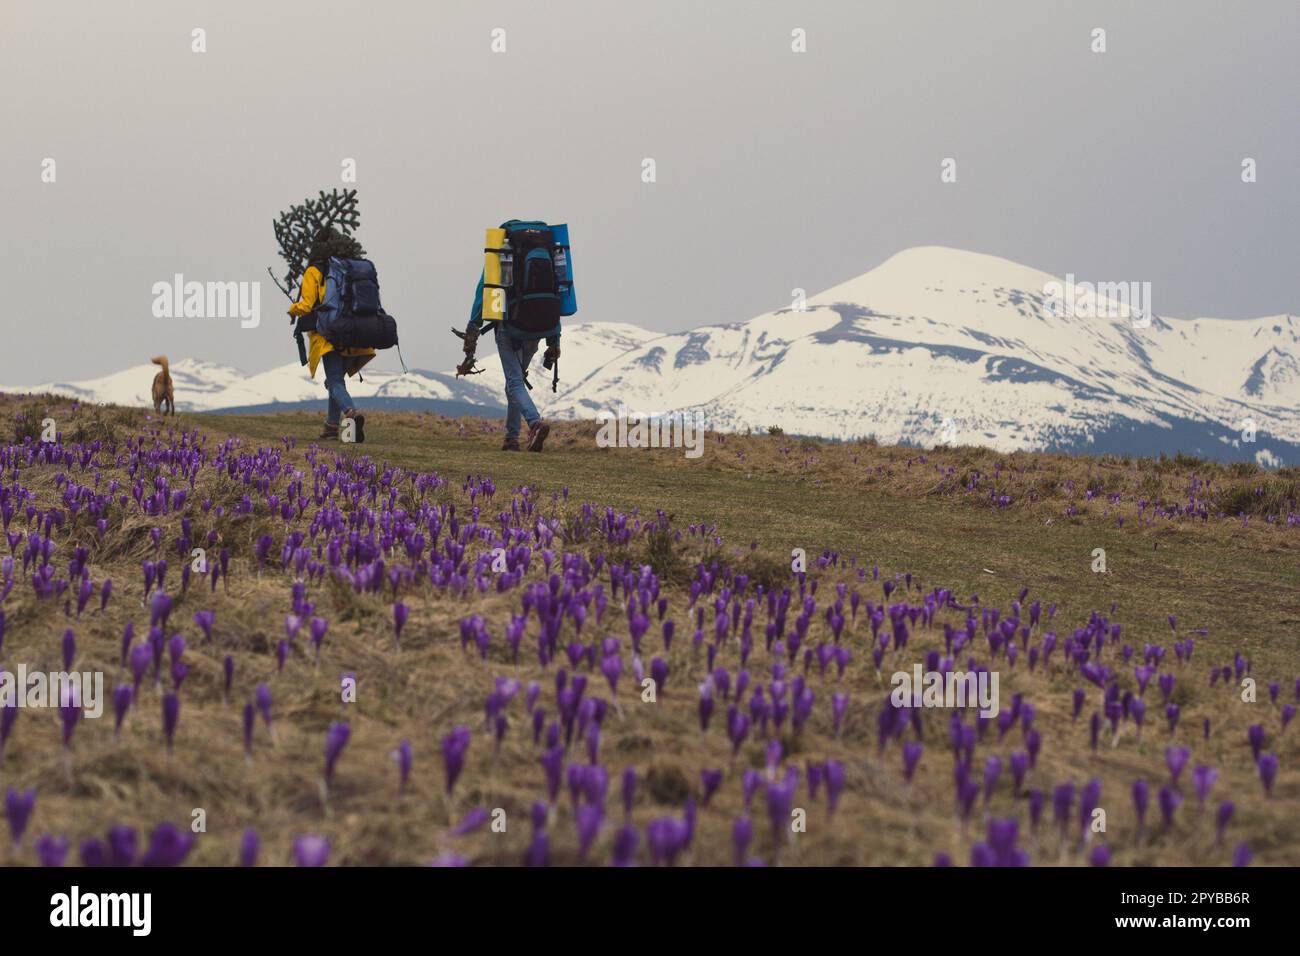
x=329 y=433
x=510 y=444
x=358 y=425
x=537 y=433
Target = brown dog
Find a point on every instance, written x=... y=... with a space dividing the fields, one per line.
x=162 y=387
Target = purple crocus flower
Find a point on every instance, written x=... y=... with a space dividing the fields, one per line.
x=1035 y=808
x=588 y=819
x=311 y=850
x=1141 y=798
x=834 y=784
x=666 y=837
x=69 y=649
x=160 y=608
x=168 y=846
x=449 y=861
x=317 y=631
x=249 y=848
x=263 y=697
x=992 y=770
x=1089 y=800
x=1176 y=759
x=1138 y=710
x=474 y=820
x=1203 y=778
x=1222 y=818
x=18 y=809
x=742 y=835
x=552 y=766
x=52 y=850
x=205 y=619
x=839 y=706
x=400 y=614
x=121 y=704
x=1267 y=764
x=710 y=780
x=404 y=757
x=121 y=846
x=336 y=738
x=659 y=674
x=1242 y=855
x=539 y=850
x=780 y=800
x=69 y=712
x=1000 y=849
x=93 y=853
x=454 y=747
x=706 y=704
x=1143 y=675
x=171 y=713
x=611 y=665
x=1255 y=736
x=1169 y=801
x=626 y=842
x=1062 y=799
x=912 y=751
x=1100 y=855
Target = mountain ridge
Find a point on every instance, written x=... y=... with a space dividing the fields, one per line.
x=934 y=345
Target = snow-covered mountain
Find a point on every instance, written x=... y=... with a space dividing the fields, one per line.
x=204 y=386
x=933 y=346
x=940 y=345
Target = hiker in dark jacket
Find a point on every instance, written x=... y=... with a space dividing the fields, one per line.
x=516 y=348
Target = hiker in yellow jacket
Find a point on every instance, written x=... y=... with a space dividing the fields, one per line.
x=338 y=363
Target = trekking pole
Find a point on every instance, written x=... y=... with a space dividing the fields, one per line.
x=287 y=294
x=297 y=335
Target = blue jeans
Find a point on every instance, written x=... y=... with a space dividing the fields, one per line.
x=514 y=364
x=340 y=400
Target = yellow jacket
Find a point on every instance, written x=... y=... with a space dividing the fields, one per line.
x=309 y=296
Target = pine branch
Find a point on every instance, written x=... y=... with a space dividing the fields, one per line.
x=297 y=227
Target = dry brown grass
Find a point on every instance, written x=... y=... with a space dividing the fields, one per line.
x=901 y=508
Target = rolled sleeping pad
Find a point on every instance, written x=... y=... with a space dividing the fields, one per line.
x=494 y=293
x=563 y=258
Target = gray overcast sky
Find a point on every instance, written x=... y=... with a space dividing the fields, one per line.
x=775 y=170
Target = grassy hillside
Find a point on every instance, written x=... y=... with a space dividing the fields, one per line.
x=1213 y=546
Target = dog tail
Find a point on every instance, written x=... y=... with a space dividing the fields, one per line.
x=162 y=360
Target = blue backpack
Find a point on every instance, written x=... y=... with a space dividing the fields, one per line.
x=350 y=314
x=540 y=287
